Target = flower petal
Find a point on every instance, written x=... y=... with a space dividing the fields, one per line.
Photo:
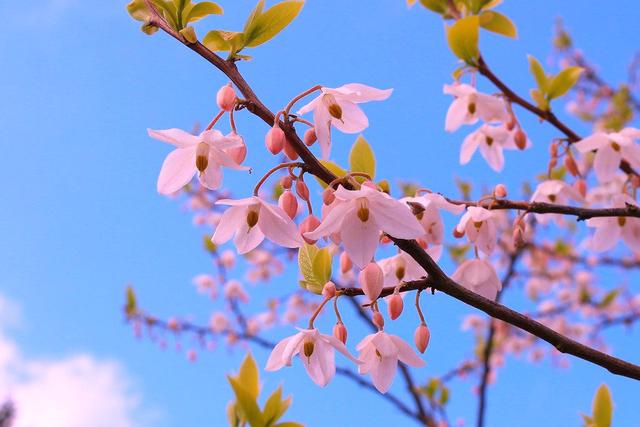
x=276 y=360
x=247 y=238
x=406 y=354
x=360 y=238
x=177 y=137
x=177 y=170
x=228 y=224
x=353 y=118
x=278 y=227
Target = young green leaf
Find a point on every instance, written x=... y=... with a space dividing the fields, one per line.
x=223 y=41
x=438 y=6
x=538 y=73
x=306 y=254
x=602 y=407
x=289 y=424
x=247 y=403
x=257 y=11
x=498 y=23
x=463 y=39
x=563 y=82
x=333 y=168
x=265 y=26
x=361 y=157
x=322 y=266
x=272 y=408
x=195 y=12
x=249 y=376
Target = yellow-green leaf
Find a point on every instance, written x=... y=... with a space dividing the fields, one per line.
x=289 y=424
x=540 y=99
x=563 y=82
x=463 y=39
x=271 y=22
x=189 y=34
x=498 y=23
x=361 y=157
x=602 y=407
x=257 y=11
x=249 y=376
x=306 y=254
x=322 y=266
x=247 y=403
x=131 y=306
x=438 y=6
x=538 y=73
x=222 y=41
x=195 y=12
x=138 y=10
x=273 y=407
x=333 y=168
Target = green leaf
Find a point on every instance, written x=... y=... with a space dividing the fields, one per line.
x=195 y=12
x=223 y=41
x=131 y=306
x=257 y=11
x=463 y=39
x=438 y=6
x=540 y=99
x=609 y=298
x=289 y=424
x=273 y=408
x=265 y=26
x=138 y=10
x=247 y=403
x=306 y=254
x=361 y=157
x=322 y=266
x=563 y=82
x=333 y=168
x=498 y=23
x=249 y=376
x=602 y=407
x=232 y=414
x=538 y=73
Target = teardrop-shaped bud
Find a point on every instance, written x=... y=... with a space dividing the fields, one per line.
x=226 y=98
x=458 y=234
x=500 y=191
x=571 y=166
x=329 y=290
x=345 y=263
x=239 y=152
x=395 y=306
x=371 y=281
x=309 y=224
x=289 y=151
x=302 y=190
x=288 y=203
x=310 y=137
x=520 y=138
x=421 y=337
x=519 y=228
x=286 y=182
x=340 y=332
x=581 y=187
x=378 y=320
x=275 y=140
x=328 y=196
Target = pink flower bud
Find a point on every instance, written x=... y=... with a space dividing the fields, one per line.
x=378 y=320
x=340 y=332
x=571 y=166
x=288 y=203
x=310 y=223
x=395 y=306
x=328 y=196
x=302 y=190
x=458 y=234
x=286 y=182
x=520 y=138
x=275 y=140
x=553 y=149
x=289 y=151
x=192 y=355
x=310 y=137
x=518 y=233
x=421 y=337
x=329 y=290
x=581 y=186
x=371 y=281
x=511 y=124
x=500 y=191
x=226 y=98
x=173 y=324
x=239 y=153
x=345 y=263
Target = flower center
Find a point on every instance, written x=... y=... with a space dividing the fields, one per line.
x=552 y=197
x=308 y=348
x=622 y=221
x=471 y=108
x=252 y=216
x=378 y=354
x=477 y=224
x=489 y=141
x=202 y=156
x=615 y=146
x=363 y=210
x=334 y=109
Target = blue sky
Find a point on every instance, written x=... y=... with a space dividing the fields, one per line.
x=80 y=217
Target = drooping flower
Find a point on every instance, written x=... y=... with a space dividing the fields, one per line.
x=470 y=105
x=338 y=107
x=380 y=353
x=480 y=226
x=403 y=268
x=611 y=148
x=491 y=140
x=609 y=230
x=428 y=215
x=557 y=192
x=478 y=276
x=204 y=154
x=360 y=215
x=316 y=351
x=251 y=220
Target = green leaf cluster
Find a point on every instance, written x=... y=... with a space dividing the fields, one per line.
x=315 y=264
x=550 y=86
x=260 y=27
x=602 y=409
x=178 y=14
x=245 y=410
x=436 y=391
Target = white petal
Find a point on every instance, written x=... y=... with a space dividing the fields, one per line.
x=177 y=137
x=177 y=170
x=353 y=118
x=360 y=238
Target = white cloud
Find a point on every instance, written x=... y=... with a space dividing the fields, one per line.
x=75 y=391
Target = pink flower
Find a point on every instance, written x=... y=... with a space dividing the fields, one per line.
x=430 y=218
x=360 y=215
x=480 y=226
x=233 y=289
x=609 y=230
x=250 y=220
x=316 y=351
x=611 y=148
x=478 y=276
x=204 y=154
x=380 y=353
x=554 y=191
x=338 y=107
x=402 y=267
x=491 y=140
x=471 y=105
